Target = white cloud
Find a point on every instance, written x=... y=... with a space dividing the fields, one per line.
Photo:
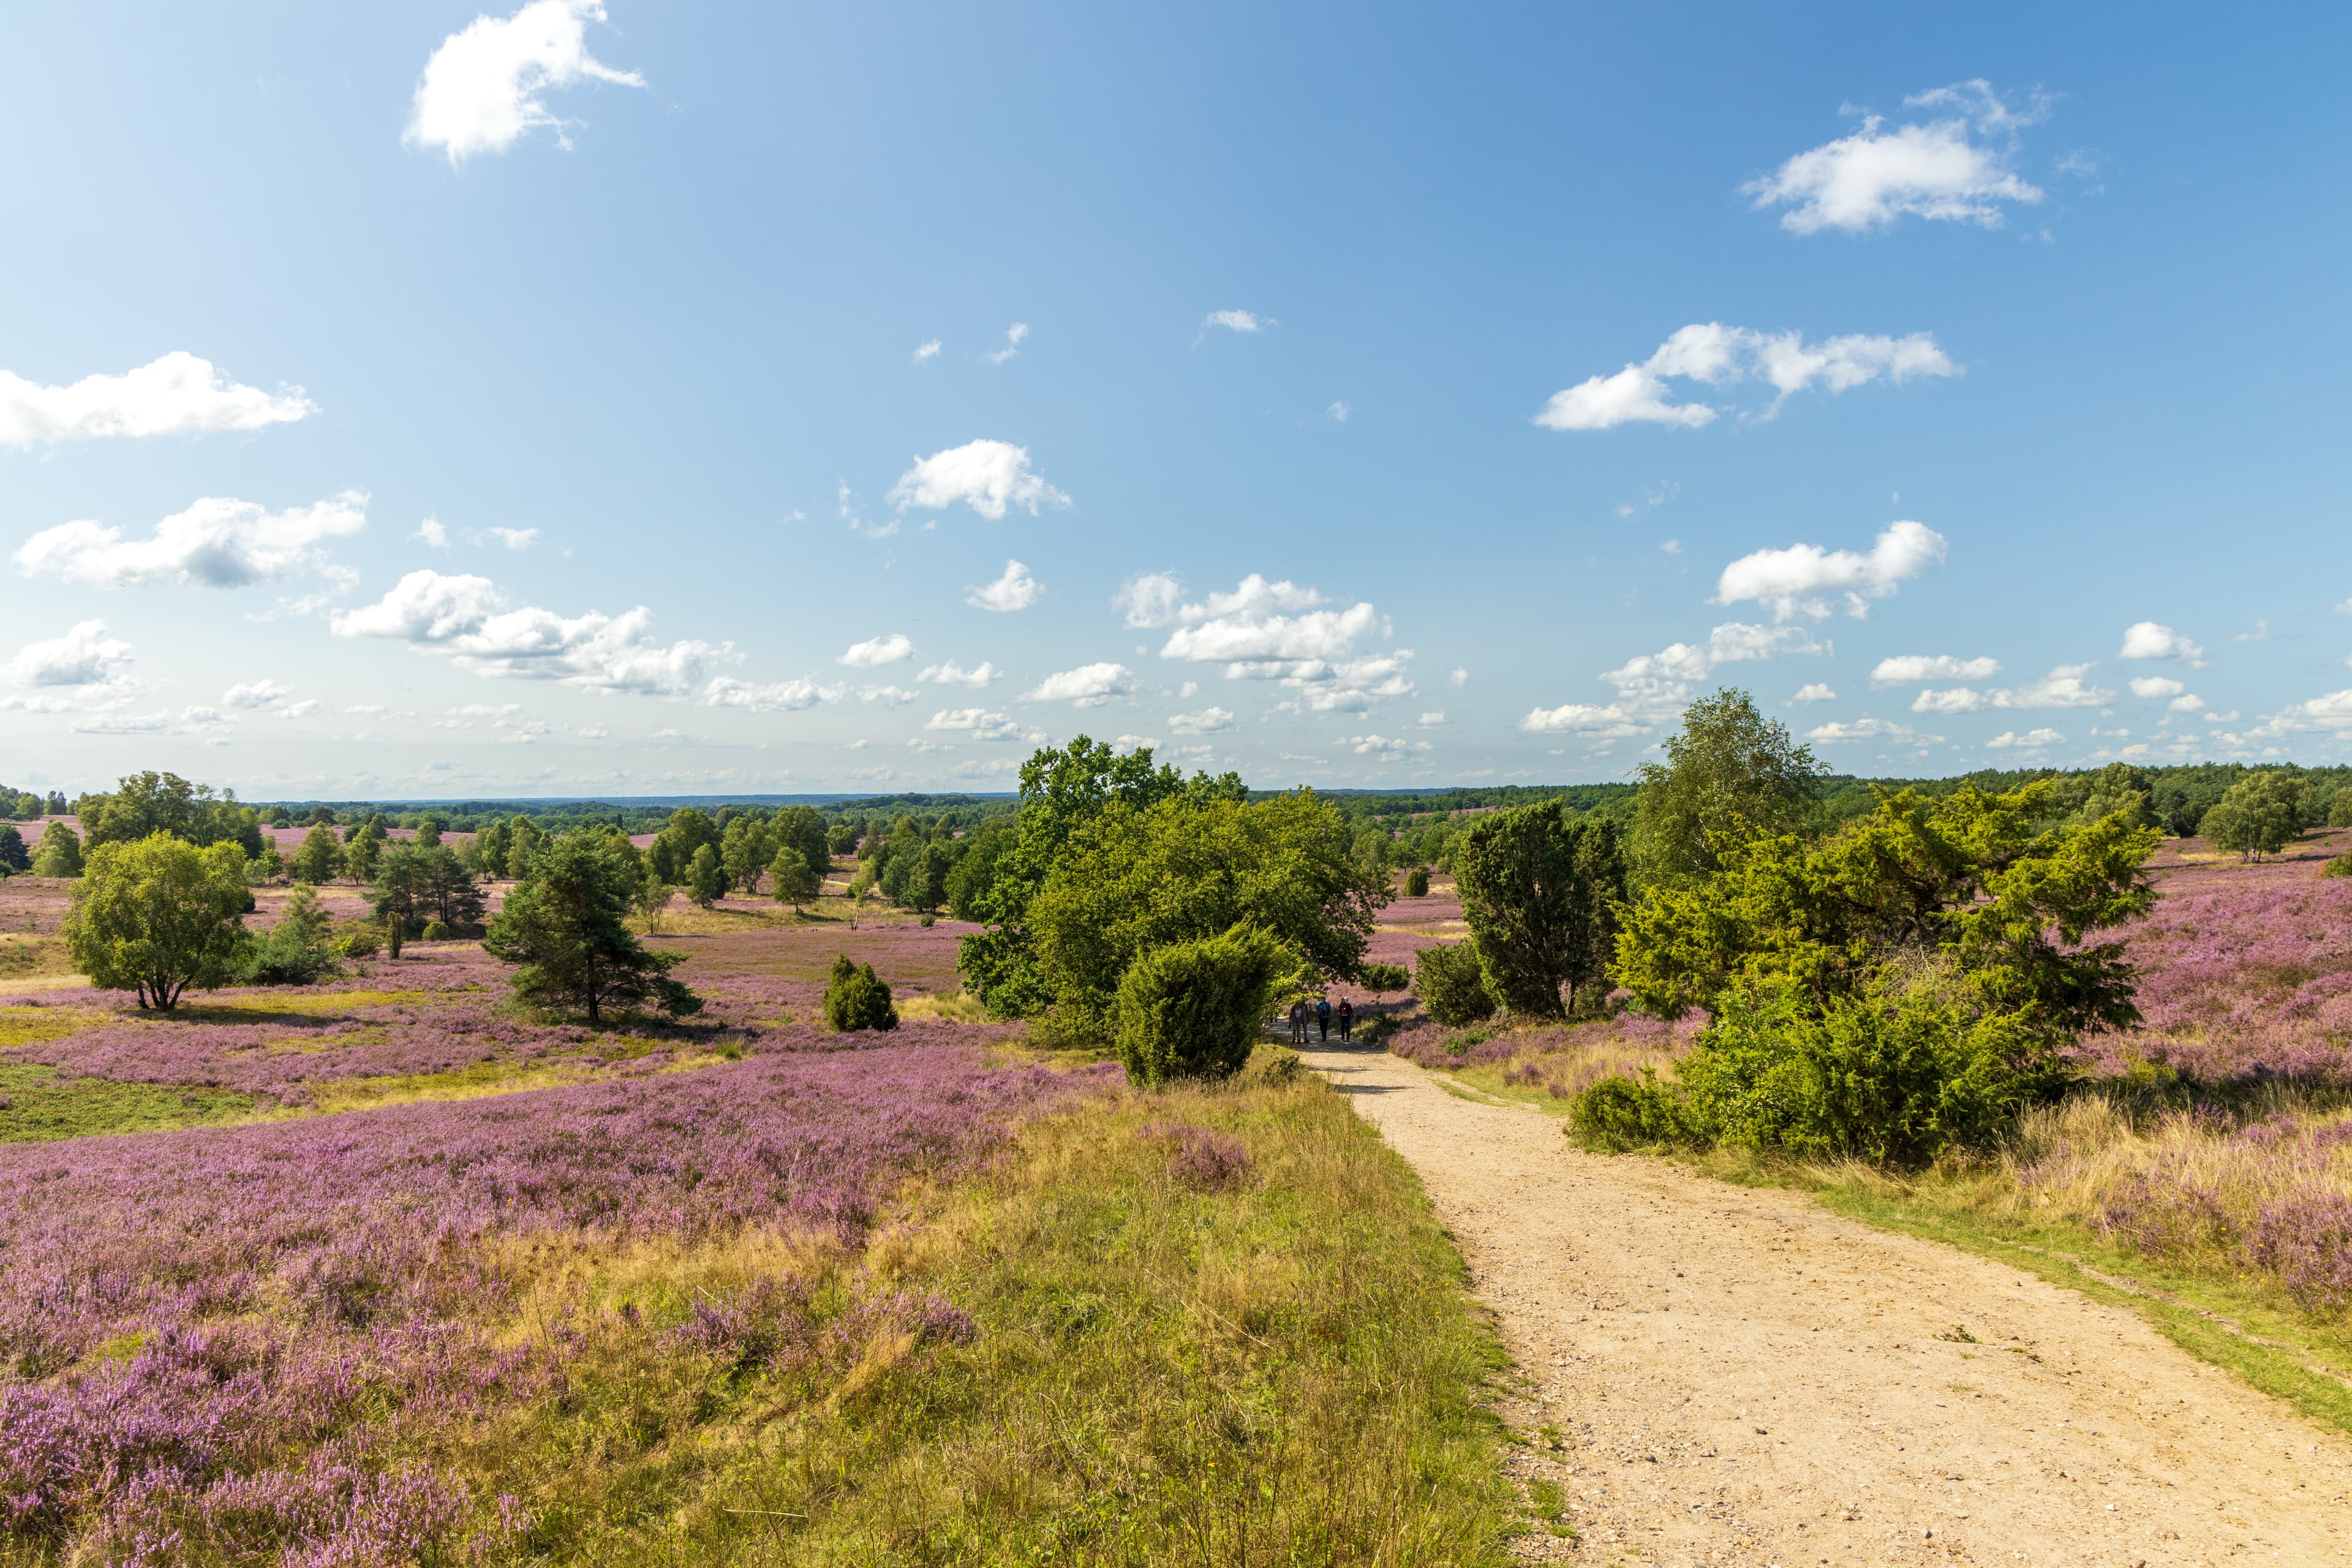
x=2032 y=739
x=1671 y=547
x=889 y=696
x=1383 y=749
x=1459 y=677
x=1793 y=581
x=1814 y=691
x=1273 y=631
x=516 y=538
x=1904 y=670
x=1339 y=411
x=1654 y=687
x=1088 y=686
x=217 y=543
x=2332 y=712
x=178 y=395
x=951 y=673
x=857 y=519
x=986 y=476
x=2186 y=703
x=466 y=618
x=1016 y=590
x=1866 y=728
x=432 y=533
x=2156 y=685
x=271 y=697
x=1956 y=169
x=1013 y=338
x=979 y=723
x=2147 y=639
x=187 y=721
x=480 y=91
x=1153 y=599
x=875 y=652
x=927 y=351
x=2063 y=687
x=1433 y=718
x=1237 y=321
x=777 y=697
x=1207 y=722
x=1717 y=355
x=1580 y=719
x=84 y=657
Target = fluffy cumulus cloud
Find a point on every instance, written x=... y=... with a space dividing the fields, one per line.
x=773 y=696
x=979 y=723
x=2066 y=685
x=1237 y=321
x=2156 y=685
x=1384 y=748
x=1653 y=688
x=1951 y=162
x=1014 y=590
x=1088 y=686
x=1274 y=631
x=949 y=673
x=274 y=698
x=1800 y=579
x=217 y=543
x=2147 y=639
x=1713 y=354
x=1867 y=728
x=2032 y=741
x=178 y=395
x=186 y=721
x=1207 y=722
x=480 y=90
x=1910 y=668
x=1814 y=691
x=2331 y=714
x=466 y=618
x=987 y=476
x=875 y=652
x=84 y=657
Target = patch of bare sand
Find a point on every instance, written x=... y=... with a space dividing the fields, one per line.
x=1740 y=1377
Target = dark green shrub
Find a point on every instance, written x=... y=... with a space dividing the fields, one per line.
x=1416 y=883
x=855 y=998
x=2337 y=865
x=1621 y=1113
x=1380 y=978
x=294 y=951
x=1452 y=983
x=1193 y=1010
x=1892 y=1079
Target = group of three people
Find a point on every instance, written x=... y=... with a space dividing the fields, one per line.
x=1323 y=1014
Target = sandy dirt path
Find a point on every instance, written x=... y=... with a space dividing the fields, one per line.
x=1740 y=1377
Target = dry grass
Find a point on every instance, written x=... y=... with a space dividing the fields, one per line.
x=960 y=1007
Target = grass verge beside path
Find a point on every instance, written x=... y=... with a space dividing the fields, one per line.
x=2244 y=1328
x=1173 y=1357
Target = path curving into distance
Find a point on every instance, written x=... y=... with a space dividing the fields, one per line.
x=1741 y=1376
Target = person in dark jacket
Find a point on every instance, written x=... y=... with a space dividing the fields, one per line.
x=1323 y=1017
x=1347 y=1018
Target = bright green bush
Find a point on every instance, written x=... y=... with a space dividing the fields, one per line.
x=855 y=998
x=2339 y=809
x=294 y=951
x=1193 y=1010
x=435 y=931
x=1620 y=1113
x=2338 y=865
x=1452 y=983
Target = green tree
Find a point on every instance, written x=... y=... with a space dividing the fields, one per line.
x=428 y=832
x=1193 y=1010
x=746 y=850
x=1136 y=878
x=2260 y=814
x=1539 y=889
x=158 y=916
x=841 y=838
x=361 y=850
x=975 y=868
x=1728 y=765
x=687 y=830
x=149 y=803
x=295 y=951
x=321 y=858
x=13 y=856
x=58 y=853
x=400 y=894
x=491 y=846
x=1061 y=791
x=802 y=827
x=566 y=930
x=1452 y=983
x=651 y=898
x=796 y=880
x=1416 y=883
x=2339 y=807
x=449 y=892
x=856 y=998
x=706 y=884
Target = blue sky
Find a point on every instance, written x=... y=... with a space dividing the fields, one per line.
x=415 y=401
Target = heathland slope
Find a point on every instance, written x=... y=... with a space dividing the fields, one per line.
x=1739 y=1376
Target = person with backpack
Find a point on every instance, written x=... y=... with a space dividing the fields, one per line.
x=1323 y=1017
x=1347 y=1019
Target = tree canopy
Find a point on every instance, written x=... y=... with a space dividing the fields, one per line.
x=1728 y=765
x=158 y=915
x=565 y=929
x=1539 y=891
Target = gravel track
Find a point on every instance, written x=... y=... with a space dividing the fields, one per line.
x=1741 y=1376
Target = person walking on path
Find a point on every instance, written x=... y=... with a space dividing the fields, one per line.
x=1323 y=1017
x=1298 y=1023
x=1347 y=1019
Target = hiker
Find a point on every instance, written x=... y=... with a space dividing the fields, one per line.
x=1347 y=1019
x=1298 y=1023
x=1323 y=1016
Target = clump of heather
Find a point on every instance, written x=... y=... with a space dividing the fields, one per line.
x=1560 y=1058
x=181 y=1312
x=1200 y=1157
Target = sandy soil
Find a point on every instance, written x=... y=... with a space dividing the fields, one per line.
x=1738 y=1376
